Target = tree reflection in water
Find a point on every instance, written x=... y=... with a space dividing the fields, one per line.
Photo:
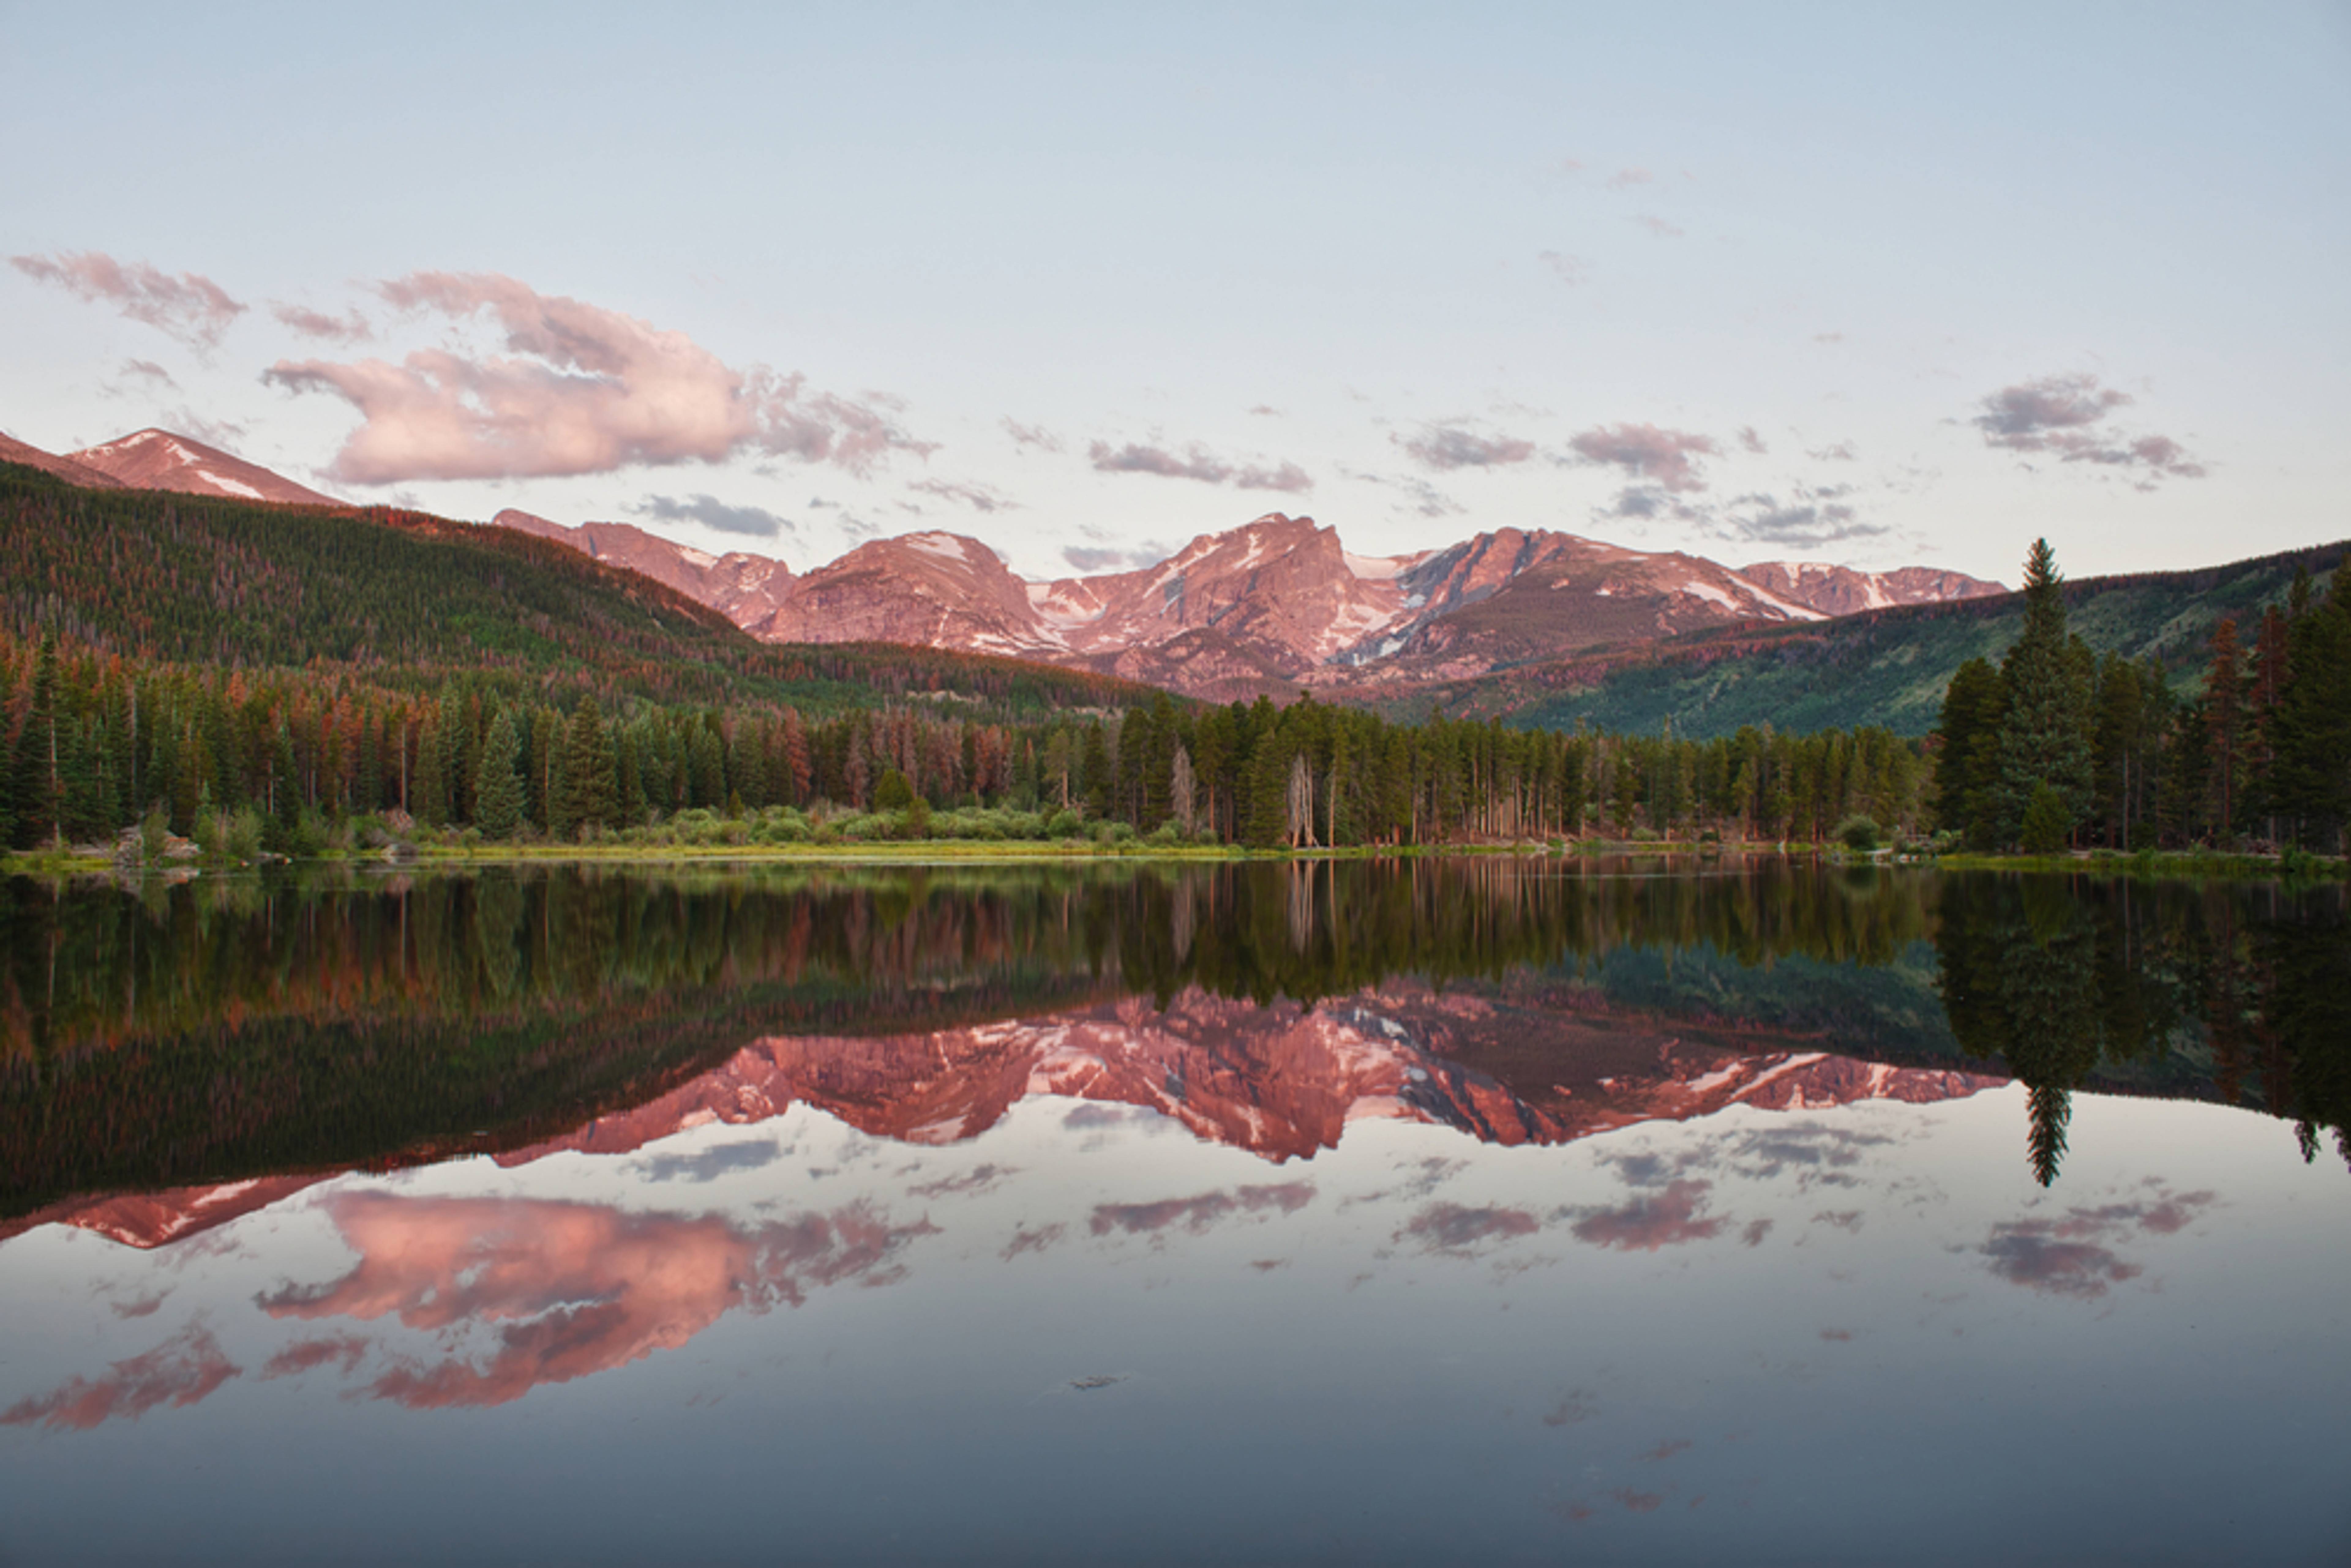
x=158 y=1035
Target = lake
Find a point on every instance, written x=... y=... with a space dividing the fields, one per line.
x=1476 y=1210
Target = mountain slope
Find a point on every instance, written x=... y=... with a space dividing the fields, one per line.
x=401 y=595
x=66 y=468
x=1842 y=591
x=159 y=460
x=743 y=587
x=1884 y=667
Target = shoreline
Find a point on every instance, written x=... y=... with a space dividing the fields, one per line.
x=2191 y=865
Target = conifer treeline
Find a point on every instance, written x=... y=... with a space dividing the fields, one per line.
x=96 y=742
x=2053 y=746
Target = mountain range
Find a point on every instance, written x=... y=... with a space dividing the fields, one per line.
x=1283 y=1082
x=1528 y=626
x=1277 y=605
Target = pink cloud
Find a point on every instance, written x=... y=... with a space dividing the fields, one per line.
x=2058 y=413
x=1286 y=476
x=2022 y=416
x=1444 y=446
x=1646 y=451
x=977 y=497
x=581 y=390
x=1035 y=435
x=1197 y=1214
x=350 y=327
x=2073 y=1257
x=1195 y=462
x=1647 y=1221
x=1658 y=227
x=181 y=1371
x=569 y=1289
x=191 y=308
x=1451 y=1228
x=345 y=1351
x=1625 y=179
x=1136 y=457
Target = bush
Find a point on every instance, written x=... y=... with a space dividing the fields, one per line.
x=1858 y=834
x=2046 y=821
x=1065 y=823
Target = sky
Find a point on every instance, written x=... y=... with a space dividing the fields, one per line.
x=1882 y=286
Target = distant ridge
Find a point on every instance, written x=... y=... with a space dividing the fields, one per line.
x=15 y=451
x=160 y=460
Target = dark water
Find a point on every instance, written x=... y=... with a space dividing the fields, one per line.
x=1449 y=1211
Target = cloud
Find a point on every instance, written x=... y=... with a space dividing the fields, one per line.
x=2072 y=1256
x=1753 y=442
x=709 y=1165
x=1625 y=179
x=1451 y=1228
x=1136 y=458
x=184 y=1369
x=148 y=369
x=1037 y=435
x=191 y=308
x=1667 y=1217
x=1195 y=461
x=1267 y=410
x=1572 y=270
x=1826 y=338
x=1197 y=1214
x=1836 y=452
x=1287 y=477
x=977 y=1179
x=1657 y=227
x=580 y=390
x=1026 y=1240
x=350 y=327
x=2058 y=413
x=977 y=497
x=1449 y=446
x=1664 y=457
x=345 y=1351
x=1810 y=521
x=2023 y=417
x=561 y=1291
x=757 y=522
x=1110 y=558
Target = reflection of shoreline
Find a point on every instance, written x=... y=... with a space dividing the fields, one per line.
x=1281 y=1081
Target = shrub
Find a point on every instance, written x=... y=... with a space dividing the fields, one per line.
x=1858 y=834
x=2046 y=821
x=893 y=793
x=1065 y=823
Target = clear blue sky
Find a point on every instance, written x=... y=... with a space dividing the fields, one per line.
x=1876 y=284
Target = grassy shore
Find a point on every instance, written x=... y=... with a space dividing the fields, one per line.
x=2196 y=865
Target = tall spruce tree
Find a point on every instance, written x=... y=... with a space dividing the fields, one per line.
x=39 y=789
x=2045 y=737
x=589 y=796
x=498 y=798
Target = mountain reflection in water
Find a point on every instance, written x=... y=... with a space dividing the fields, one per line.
x=166 y=1037
x=1616 y=1204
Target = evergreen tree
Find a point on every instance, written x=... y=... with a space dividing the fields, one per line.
x=39 y=791
x=589 y=796
x=2045 y=737
x=498 y=797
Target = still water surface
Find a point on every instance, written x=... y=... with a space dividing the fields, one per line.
x=1448 y=1211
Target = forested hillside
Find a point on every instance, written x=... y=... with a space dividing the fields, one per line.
x=1887 y=667
x=404 y=598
